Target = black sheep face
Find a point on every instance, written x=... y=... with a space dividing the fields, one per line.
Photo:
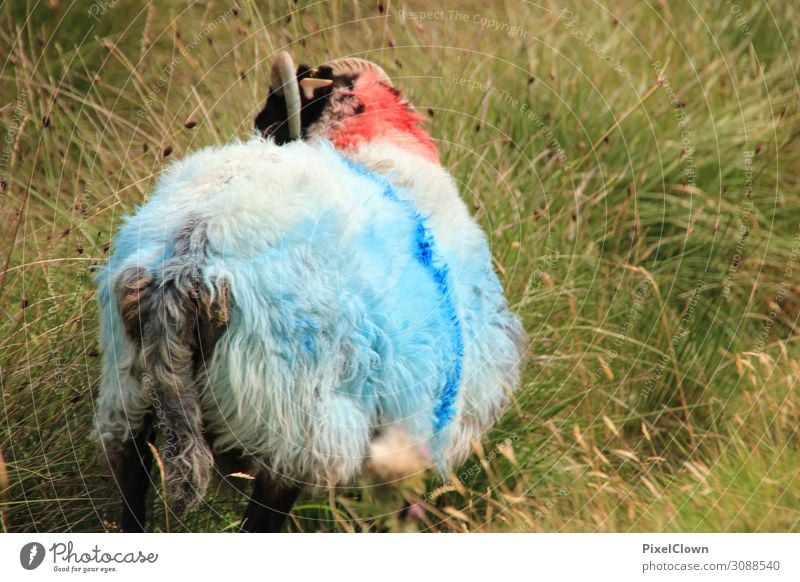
x=317 y=100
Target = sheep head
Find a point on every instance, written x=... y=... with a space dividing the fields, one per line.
x=348 y=101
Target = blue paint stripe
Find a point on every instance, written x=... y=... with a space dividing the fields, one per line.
x=424 y=251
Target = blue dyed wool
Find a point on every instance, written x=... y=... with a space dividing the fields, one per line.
x=363 y=297
x=424 y=251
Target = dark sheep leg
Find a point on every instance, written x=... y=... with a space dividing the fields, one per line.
x=133 y=478
x=269 y=506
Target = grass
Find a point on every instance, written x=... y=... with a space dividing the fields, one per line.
x=639 y=186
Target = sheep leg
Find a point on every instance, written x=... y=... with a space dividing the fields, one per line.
x=269 y=506
x=133 y=477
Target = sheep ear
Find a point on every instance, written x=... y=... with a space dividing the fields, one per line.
x=271 y=120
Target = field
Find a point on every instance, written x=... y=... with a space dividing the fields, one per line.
x=635 y=164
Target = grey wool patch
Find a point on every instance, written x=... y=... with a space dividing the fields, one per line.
x=175 y=319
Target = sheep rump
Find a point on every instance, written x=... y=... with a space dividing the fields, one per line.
x=266 y=301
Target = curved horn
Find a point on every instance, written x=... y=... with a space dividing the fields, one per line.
x=284 y=83
x=354 y=65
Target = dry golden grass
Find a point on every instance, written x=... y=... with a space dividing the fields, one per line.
x=644 y=224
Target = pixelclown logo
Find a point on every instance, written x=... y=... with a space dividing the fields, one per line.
x=31 y=555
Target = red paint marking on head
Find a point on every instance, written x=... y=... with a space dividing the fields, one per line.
x=385 y=116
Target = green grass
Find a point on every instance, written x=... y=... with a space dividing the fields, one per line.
x=660 y=387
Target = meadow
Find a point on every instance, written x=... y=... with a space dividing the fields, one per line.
x=636 y=165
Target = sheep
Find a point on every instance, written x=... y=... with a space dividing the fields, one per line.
x=279 y=304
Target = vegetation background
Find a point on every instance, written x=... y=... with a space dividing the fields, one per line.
x=635 y=163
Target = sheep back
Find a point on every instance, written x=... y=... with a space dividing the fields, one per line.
x=362 y=296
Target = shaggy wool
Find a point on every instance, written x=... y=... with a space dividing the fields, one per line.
x=362 y=297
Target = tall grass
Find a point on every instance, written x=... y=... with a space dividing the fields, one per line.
x=639 y=185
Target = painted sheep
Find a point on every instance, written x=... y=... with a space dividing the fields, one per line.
x=279 y=304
